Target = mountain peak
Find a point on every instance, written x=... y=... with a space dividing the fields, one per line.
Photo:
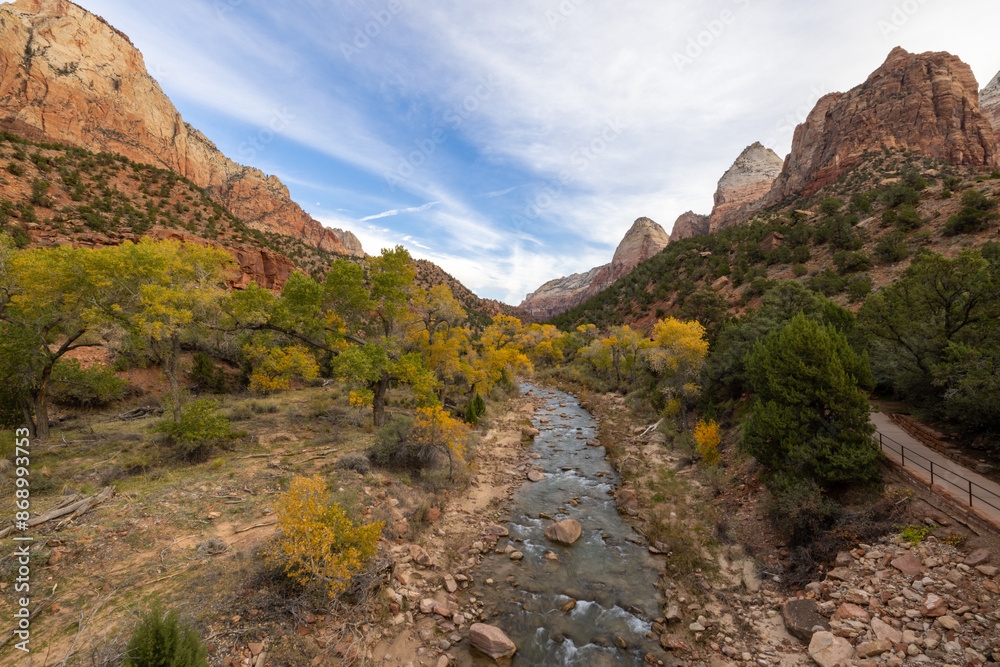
x=745 y=183
x=72 y=78
x=644 y=239
x=924 y=102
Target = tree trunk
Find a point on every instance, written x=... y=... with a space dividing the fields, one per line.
x=32 y=428
x=379 y=389
x=42 y=404
x=170 y=365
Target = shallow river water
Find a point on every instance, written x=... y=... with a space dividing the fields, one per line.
x=609 y=575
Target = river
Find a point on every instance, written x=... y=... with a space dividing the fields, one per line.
x=608 y=571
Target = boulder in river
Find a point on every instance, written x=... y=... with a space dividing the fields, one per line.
x=491 y=641
x=566 y=531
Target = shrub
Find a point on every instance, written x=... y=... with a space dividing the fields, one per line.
x=392 y=446
x=435 y=429
x=907 y=218
x=830 y=206
x=207 y=374
x=275 y=368
x=165 y=641
x=916 y=534
x=475 y=410
x=952 y=182
x=858 y=288
x=15 y=169
x=892 y=248
x=800 y=270
x=915 y=180
x=975 y=216
x=706 y=435
x=827 y=283
x=201 y=425
x=851 y=262
x=897 y=194
x=800 y=254
x=356 y=462
x=861 y=202
x=91 y=387
x=317 y=541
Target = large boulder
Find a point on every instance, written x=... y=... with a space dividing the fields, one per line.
x=491 y=641
x=566 y=531
x=830 y=651
x=801 y=617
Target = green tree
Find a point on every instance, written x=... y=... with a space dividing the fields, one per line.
x=45 y=297
x=810 y=417
x=936 y=334
x=357 y=316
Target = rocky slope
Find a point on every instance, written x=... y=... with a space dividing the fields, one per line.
x=927 y=103
x=642 y=241
x=989 y=104
x=744 y=184
x=688 y=225
x=68 y=76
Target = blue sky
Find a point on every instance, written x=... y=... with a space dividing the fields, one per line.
x=515 y=141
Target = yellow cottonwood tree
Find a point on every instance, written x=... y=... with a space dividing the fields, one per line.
x=317 y=540
x=618 y=353
x=677 y=355
x=437 y=429
x=274 y=368
x=498 y=354
x=706 y=437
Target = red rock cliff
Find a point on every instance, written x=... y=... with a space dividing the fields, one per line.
x=927 y=102
x=68 y=76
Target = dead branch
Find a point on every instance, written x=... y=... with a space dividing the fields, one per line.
x=75 y=509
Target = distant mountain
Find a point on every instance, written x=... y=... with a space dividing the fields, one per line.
x=642 y=241
x=918 y=119
x=687 y=225
x=67 y=76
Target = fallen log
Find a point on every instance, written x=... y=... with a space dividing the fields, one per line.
x=75 y=509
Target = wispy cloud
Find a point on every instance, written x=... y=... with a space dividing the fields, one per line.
x=400 y=211
x=558 y=75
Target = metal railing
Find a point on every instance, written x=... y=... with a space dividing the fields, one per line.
x=966 y=487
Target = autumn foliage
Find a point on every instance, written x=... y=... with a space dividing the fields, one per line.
x=317 y=540
x=706 y=436
x=436 y=429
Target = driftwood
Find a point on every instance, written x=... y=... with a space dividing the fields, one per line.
x=139 y=413
x=74 y=509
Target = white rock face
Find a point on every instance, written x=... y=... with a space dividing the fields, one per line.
x=989 y=103
x=746 y=182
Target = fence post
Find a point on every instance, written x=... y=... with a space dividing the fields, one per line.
x=932 y=473
x=902 y=456
x=970 y=493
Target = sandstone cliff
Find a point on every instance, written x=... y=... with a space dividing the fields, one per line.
x=688 y=225
x=68 y=76
x=928 y=103
x=989 y=104
x=743 y=186
x=642 y=241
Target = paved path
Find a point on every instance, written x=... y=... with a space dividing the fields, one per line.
x=948 y=476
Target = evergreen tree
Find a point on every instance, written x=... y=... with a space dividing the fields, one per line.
x=810 y=419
